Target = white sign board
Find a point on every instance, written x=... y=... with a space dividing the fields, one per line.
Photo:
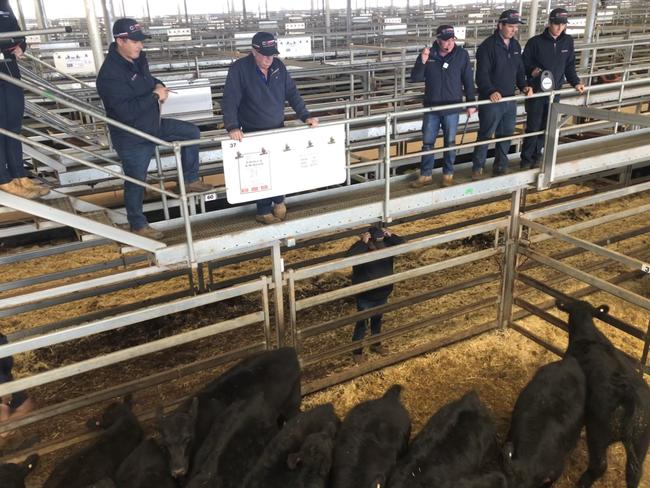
x=292 y=47
x=75 y=62
x=460 y=33
x=267 y=165
x=179 y=34
x=188 y=100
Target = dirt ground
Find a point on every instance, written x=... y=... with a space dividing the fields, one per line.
x=497 y=365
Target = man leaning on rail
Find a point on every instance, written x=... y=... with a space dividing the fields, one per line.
x=131 y=95
x=553 y=51
x=499 y=70
x=253 y=100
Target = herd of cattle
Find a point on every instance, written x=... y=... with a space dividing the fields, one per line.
x=246 y=430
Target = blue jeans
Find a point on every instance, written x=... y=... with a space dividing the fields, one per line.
x=496 y=119
x=136 y=158
x=265 y=206
x=375 y=321
x=12 y=106
x=431 y=124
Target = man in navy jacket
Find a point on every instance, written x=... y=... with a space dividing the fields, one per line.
x=13 y=177
x=551 y=50
x=256 y=89
x=131 y=95
x=447 y=72
x=499 y=70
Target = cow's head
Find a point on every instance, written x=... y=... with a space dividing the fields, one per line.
x=177 y=432
x=315 y=454
x=518 y=474
x=113 y=413
x=13 y=475
x=571 y=306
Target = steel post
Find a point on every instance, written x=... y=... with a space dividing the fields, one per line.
x=93 y=34
x=191 y=261
x=386 y=216
x=532 y=21
x=328 y=24
x=510 y=261
x=590 y=28
x=278 y=268
x=109 y=18
x=545 y=176
x=21 y=15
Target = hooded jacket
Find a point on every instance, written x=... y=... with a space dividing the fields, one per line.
x=445 y=78
x=251 y=103
x=556 y=55
x=126 y=89
x=499 y=68
x=8 y=23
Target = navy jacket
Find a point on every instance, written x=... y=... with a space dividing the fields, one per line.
x=445 y=78
x=374 y=269
x=555 y=55
x=499 y=68
x=127 y=92
x=251 y=104
x=8 y=23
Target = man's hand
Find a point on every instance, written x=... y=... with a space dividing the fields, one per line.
x=470 y=111
x=236 y=135
x=18 y=52
x=425 y=55
x=162 y=93
x=312 y=121
x=528 y=91
x=365 y=237
x=387 y=233
x=495 y=97
x=580 y=88
x=536 y=72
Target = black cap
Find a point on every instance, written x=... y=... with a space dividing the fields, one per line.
x=265 y=44
x=445 y=32
x=559 y=16
x=510 y=16
x=376 y=234
x=129 y=29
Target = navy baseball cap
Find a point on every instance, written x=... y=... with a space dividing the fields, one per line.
x=510 y=16
x=129 y=29
x=445 y=32
x=265 y=44
x=559 y=16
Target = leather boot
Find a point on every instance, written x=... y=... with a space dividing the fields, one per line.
x=15 y=188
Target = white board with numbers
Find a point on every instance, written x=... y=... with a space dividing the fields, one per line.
x=270 y=165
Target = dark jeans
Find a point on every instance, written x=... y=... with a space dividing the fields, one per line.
x=12 y=107
x=432 y=122
x=536 y=115
x=496 y=119
x=137 y=157
x=375 y=320
x=265 y=206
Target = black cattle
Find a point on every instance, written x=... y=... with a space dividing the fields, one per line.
x=371 y=438
x=300 y=455
x=234 y=444
x=13 y=475
x=145 y=467
x=121 y=434
x=459 y=441
x=546 y=424
x=618 y=399
x=274 y=373
x=493 y=479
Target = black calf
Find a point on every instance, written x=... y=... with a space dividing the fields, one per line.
x=145 y=467
x=13 y=475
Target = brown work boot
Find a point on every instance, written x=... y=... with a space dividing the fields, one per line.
x=15 y=188
x=422 y=181
x=280 y=210
x=149 y=232
x=379 y=349
x=267 y=219
x=198 y=187
x=447 y=180
x=358 y=358
x=477 y=174
x=30 y=185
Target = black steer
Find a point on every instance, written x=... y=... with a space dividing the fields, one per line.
x=493 y=479
x=371 y=438
x=13 y=475
x=618 y=398
x=300 y=455
x=459 y=441
x=546 y=424
x=145 y=467
x=276 y=373
x=122 y=433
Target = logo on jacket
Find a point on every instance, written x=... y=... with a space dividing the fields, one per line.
x=134 y=77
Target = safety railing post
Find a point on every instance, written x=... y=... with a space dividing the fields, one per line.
x=387 y=218
x=161 y=182
x=546 y=174
x=278 y=268
x=191 y=261
x=510 y=261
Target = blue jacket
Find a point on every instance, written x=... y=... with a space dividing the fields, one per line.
x=499 y=68
x=252 y=104
x=8 y=23
x=127 y=92
x=445 y=78
x=555 y=55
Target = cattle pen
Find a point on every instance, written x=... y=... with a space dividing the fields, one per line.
x=93 y=312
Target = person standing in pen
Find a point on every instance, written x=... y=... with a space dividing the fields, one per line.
x=13 y=176
x=256 y=89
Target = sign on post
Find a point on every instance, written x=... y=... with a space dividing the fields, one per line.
x=270 y=165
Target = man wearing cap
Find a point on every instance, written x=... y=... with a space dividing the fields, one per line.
x=256 y=89
x=372 y=240
x=446 y=71
x=552 y=51
x=131 y=95
x=499 y=70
